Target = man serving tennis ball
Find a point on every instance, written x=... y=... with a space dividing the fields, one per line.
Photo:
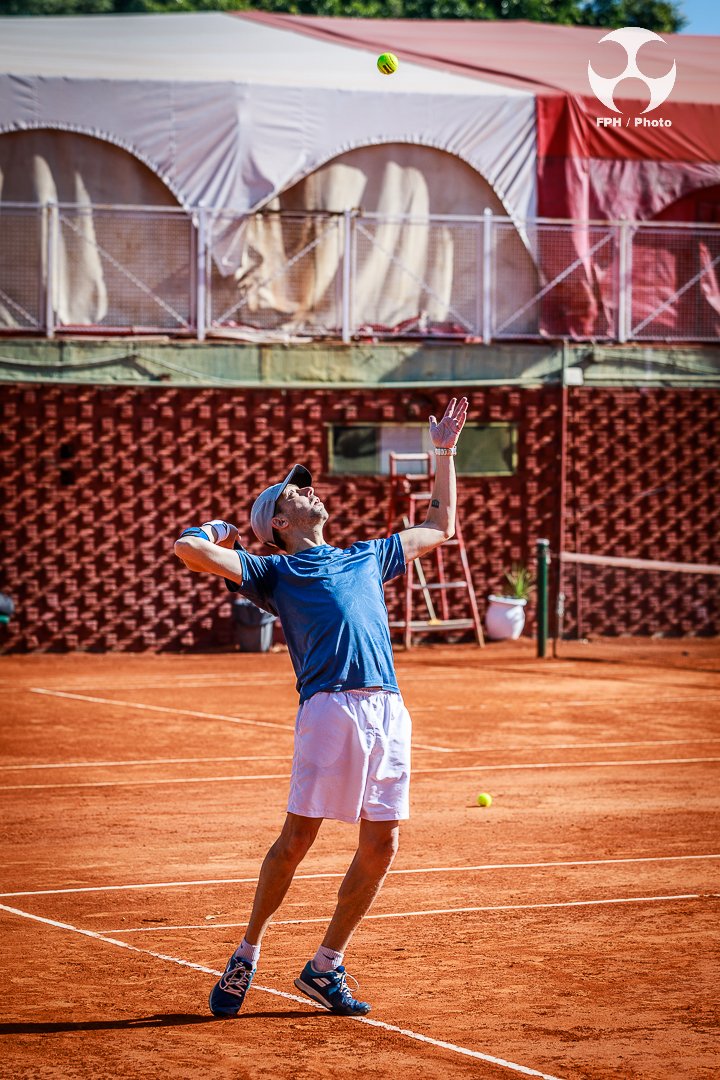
x=352 y=733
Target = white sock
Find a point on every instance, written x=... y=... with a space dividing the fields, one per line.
x=248 y=952
x=326 y=959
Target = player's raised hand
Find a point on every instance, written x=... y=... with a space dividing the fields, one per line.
x=446 y=433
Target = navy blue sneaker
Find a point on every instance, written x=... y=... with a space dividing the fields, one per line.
x=330 y=989
x=228 y=994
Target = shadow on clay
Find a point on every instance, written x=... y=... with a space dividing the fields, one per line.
x=156 y=1020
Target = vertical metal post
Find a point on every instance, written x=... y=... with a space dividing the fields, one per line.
x=51 y=226
x=201 y=295
x=629 y=236
x=487 y=312
x=409 y=581
x=578 y=579
x=623 y=283
x=560 y=595
x=347 y=276
x=479 y=255
x=543 y=560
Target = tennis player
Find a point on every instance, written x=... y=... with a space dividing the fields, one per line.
x=352 y=734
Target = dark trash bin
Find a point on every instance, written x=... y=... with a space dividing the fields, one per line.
x=7 y=608
x=253 y=627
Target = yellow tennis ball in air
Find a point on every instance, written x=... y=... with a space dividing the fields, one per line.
x=484 y=799
x=387 y=62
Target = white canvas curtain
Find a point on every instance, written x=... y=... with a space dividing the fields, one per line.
x=405 y=274
x=63 y=167
x=267 y=271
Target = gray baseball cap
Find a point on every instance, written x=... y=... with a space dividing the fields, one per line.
x=263 y=509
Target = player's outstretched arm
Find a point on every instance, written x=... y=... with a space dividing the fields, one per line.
x=439 y=524
x=209 y=548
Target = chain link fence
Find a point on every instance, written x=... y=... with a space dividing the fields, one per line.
x=23 y=267
x=275 y=273
x=565 y=284
x=120 y=268
x=282 y=275
x=675 y=283
x=417 y=277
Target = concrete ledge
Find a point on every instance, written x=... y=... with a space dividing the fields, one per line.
x=161 y=361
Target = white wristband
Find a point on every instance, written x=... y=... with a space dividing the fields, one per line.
x=445 y=451
x=222 y=529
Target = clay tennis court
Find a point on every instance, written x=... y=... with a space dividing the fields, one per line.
x=567 y=931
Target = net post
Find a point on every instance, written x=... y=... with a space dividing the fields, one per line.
x=543 y=560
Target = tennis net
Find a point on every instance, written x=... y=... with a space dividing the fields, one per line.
x=610 y=596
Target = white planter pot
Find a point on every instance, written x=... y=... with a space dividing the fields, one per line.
x=505 y=618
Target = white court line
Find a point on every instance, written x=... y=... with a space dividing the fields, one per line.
x=147 y=761
x=341 y=874
x=143 y=783
x=261 y=680
x=513 y=1066
x=239 y=677
x=152 y=761
x=161 y=708
x=651 y=703
x=510 y=766
x=169 y=682
x=220 y=680
x=436 y=911
x=175 y=683
x=423 y=746
x=512 y=907
x=473 y=707
x=499 y=748
x=507 y=767
x=416 y=746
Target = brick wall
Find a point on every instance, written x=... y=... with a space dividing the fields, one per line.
x=643 y=481
x=98 y=481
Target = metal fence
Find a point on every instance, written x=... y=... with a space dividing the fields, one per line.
x=112 y=269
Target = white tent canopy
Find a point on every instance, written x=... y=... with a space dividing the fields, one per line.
x=229 y=112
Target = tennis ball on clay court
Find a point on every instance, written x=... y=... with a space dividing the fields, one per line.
x=387 y=62
x=484 y=799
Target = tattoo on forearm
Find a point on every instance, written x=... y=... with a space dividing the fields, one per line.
x=435 y=504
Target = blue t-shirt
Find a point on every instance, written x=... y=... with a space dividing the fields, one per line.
x=332 y=608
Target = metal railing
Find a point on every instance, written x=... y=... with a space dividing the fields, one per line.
x=112 y=269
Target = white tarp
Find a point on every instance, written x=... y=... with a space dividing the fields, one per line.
x=229 y=112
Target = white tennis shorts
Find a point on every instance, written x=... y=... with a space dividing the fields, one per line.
x=352 y=757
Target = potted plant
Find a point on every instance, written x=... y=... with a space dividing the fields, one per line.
x=505 y=616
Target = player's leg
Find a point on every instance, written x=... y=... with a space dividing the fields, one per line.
x=377 y=847
x=323 y=977
x=380 y=782
x=385 y=802
x=278 y=869
x=276 y=874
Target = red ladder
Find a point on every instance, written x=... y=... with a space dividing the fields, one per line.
x=404 y=502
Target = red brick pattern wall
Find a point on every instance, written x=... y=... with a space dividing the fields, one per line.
x=98 y=481
x=643 y=475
